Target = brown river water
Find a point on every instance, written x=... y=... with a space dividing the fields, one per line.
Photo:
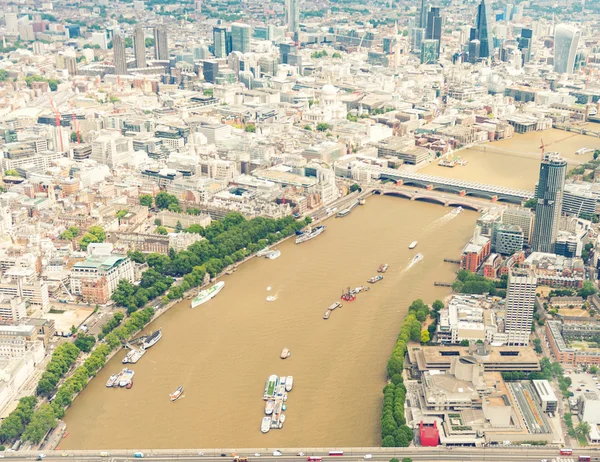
x=224 y=350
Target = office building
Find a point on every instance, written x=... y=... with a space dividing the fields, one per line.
x=483 y=32
x=525 y=44
x=292 y=15
x=12 y=23
x=429 y=51
x=508 y=11
x=507 y=239
x=520 y=301
x=474 y=50
x=423 y=15
x=240 y=37
x=566 y=41
x=96 y=278
x=523 y=218
x=433 y=31
x=161 y=44
x=210 y=69
x=139 y=47
x=119 y=55
x=549 y=195
x=220 y=42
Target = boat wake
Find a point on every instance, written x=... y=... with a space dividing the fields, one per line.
x=271 y=298
x=268 y=288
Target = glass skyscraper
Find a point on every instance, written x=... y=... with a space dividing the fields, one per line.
x=549 y=195
x=483 y=32
x=240 y=37
x=566 y=41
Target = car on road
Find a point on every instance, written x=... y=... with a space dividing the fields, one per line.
x=200 y=453
x=257 y=454
x=277 y=452
x=223 y=455
x=368 y=456
x=300 y=454
x=578 y=389
x=41 y=456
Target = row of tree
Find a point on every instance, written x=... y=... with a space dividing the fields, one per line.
x=469 y=283
x=394 y=431
x=63 y=358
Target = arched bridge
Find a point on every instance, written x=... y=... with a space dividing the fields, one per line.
x=461 y=187
x=431 y=196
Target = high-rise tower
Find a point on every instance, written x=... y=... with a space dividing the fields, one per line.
x=520 y=301
x=483 y=32
x=292 y=15
x=119 y=55
x=423 y=15
x=549 y=195
x=433 y=31
x=566 y=41
x=161 y=44
x=139 y=47
x=220 y=42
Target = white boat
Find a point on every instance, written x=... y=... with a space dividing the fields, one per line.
x=289 y=383
x=269 y=406
x=273 y=254
x=126 y=377
x=177 y=394
x=265 y=426
x=285 y=353
x=271 y=298
x=281 y=420
x=309 y=234
x=457 y=210
x=134 y=356
x=412 y=245
x=333 y=306
x=417 y=258
x=282 y=380
x=112 y=380
x=263 y=252
x=326 y=315
x=152 y=339
x=207 y=294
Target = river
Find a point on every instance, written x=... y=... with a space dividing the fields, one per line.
x=515 y=162
x=223 y=351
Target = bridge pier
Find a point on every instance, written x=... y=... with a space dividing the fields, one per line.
x=429 y=187
x=462 y=192
x=412 y=198
x=494 y=198
x=446 y=204
x=399 y=182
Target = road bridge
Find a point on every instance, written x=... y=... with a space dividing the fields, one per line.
x=460 y=187
x=436 y=197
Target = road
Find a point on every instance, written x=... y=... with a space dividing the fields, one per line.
x=349 y=454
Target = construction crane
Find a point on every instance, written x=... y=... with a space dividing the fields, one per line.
x=75 y=123
x=58 y=130
x=543 y=148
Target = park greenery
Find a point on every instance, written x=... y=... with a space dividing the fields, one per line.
x=94 y=234
x=52 y=83
x=226 y=242
x=70 y=234
x=11 y=172
x=13 y=426
x=394 y=431
x=318 y=54
x=469 y=283
x=250 y=128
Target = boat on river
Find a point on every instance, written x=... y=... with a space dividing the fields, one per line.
x=375 y=279
x=327 y=314
x=125 y=377
x=333 y=306
x=309 y=234
x=269 y=406
x=271 y=386
x=271 y=298
x=207 y=294
x=177 y=394
x=412 y=245
x=152 y=339
x=383 y=268
x=134 y=355
x=273 y=254
x=265 y=425
x=457 y=210
x=112 y=380
x=417 y=258
x=348 y=295
x=285 y=353
x=289 y=383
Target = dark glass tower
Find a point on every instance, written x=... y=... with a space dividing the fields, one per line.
x=549 y=195
x=484 y=32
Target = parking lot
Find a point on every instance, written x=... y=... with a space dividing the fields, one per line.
x=582 y=382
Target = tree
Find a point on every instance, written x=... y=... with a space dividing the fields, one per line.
x=464 y=343
x=530 y=203
x=250 y=128
x=406 y=459
x=85 y=342
x=425 y=336
x=70 y=234
x=593 y=370
x=11 y=172
x=537 y=346
x=388 y=442
x=136 y=256
x=178 y=227
x=336 y=55
x=146 y=200
x=161 y=230
x=163 y=200
x=308 y=128
x=207 y=92
x=73 y=137
x=583 y=429
x=122 y=213
x=596 y=153
x=43 y=420
x=322 y=127
x=355 y=187
x=587 y=289
x=3 y=75
x=437 y=305
x=157 y=221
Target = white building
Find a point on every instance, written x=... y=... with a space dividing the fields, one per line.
x=327 y=109
x=112 y=267
x=111 y=148
x=520 y=301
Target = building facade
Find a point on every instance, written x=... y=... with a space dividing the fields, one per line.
x=566 y=42
x=520 y=301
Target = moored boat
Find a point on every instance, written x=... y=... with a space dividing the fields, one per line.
x=134 y=356
x=269 y=406
x=383 y=268
x=129 y=385
x=126 y=377
x=265 y=425
x=177 y=394
x=285 y=353
x=207 y=294
x=152 y=339
x=375 y=279
x=327 y=314
x=289 y=383
x=412 y=245
x=333 y=306
x=309 y=234
x=348 y=295
x=273 y=254
x=112 y=380
x=271 y=386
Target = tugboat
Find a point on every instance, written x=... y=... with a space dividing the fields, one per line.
x=348 y=296
x=326 y=315
x=177 y=394
x=383 y=268
x=375 y=279
x=285 y=353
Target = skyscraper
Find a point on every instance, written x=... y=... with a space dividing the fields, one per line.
x=119 y=55
x=484 y=32
x=549 y=195
x=423 y=15
x=161 y=44
x=433 y=30
x=240 y=37
x=520 y=301
x=292 y=15
x=220 y=42
x=429 y=51
x=566 y=41
x=139 y=47
x=525 y=44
